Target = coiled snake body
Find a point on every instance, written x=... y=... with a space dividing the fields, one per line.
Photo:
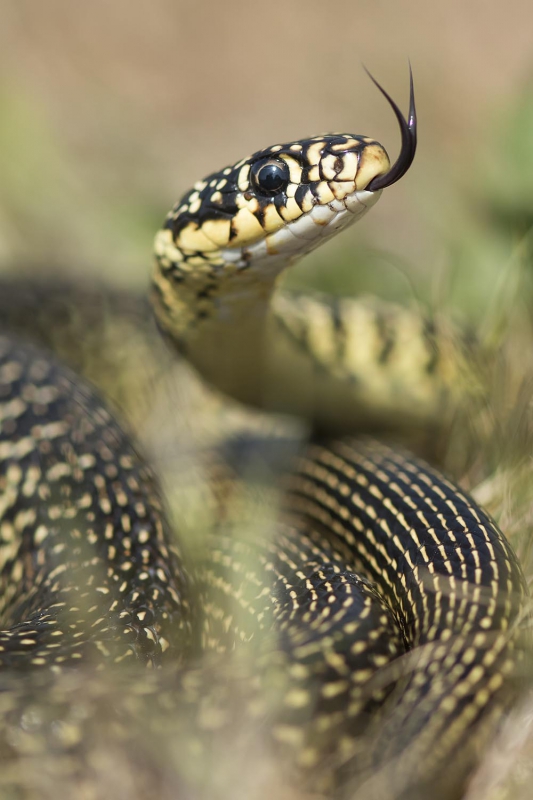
x=392 y=596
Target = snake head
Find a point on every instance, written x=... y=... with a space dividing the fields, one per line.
x=277 y=205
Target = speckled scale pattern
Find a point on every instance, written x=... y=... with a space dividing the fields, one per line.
x=382 y=588
x=404 y=519
x=338 y=581
x=445 y=571
x=340 y=637
x=88 y=567
x=390 y=588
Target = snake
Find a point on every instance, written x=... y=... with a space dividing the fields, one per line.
x=377 y=624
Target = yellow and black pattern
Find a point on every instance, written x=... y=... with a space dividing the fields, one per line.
x=229 y=223
x=230 y=209
x=421 y=529
x=88 y=569
x=338 y=662
x=377 y=620
x=220 y=254
x=395 y=600
x=440 y=564
x=377 y=347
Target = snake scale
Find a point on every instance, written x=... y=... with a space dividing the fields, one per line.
x=371 y=636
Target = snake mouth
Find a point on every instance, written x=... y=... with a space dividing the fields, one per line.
x=297 y=238
x=408 y=129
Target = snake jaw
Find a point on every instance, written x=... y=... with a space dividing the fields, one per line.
x=318 y=225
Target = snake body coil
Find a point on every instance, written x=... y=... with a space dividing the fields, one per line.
x=87 y=561
x=392 y=596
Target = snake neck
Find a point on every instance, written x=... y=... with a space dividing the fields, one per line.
x=341 y=363
x=219 y=319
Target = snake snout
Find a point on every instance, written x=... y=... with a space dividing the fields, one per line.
x=374 y=165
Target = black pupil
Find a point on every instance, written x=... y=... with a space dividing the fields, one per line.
x=272 y=177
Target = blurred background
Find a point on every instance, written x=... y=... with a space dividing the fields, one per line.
x=109 y=111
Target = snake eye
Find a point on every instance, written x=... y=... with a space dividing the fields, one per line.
x=270 y=177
